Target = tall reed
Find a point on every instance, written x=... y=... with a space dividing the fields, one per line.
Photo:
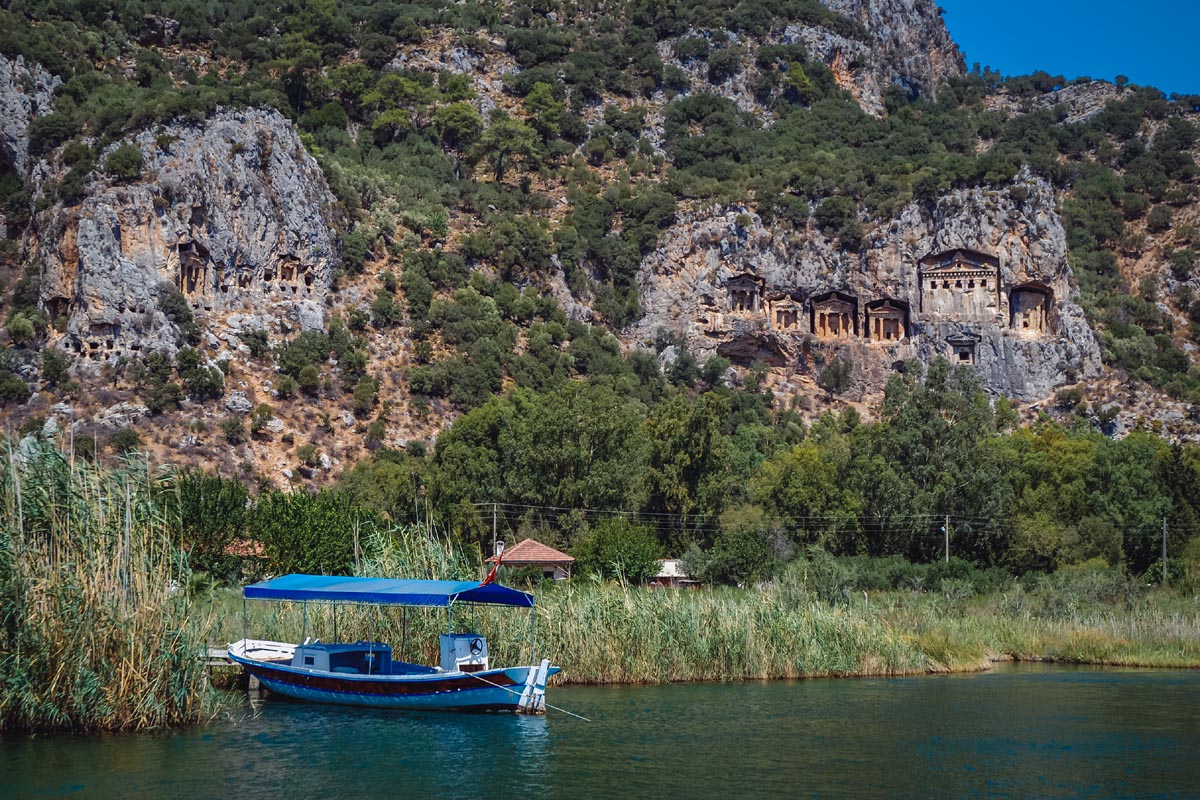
x=94 y=629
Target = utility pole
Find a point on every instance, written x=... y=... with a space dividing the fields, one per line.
x=1164 y=557
x=946 y=530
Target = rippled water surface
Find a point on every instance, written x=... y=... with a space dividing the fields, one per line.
x=1016 y=732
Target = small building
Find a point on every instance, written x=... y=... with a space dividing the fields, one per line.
x=530 y=553
x=671 y=575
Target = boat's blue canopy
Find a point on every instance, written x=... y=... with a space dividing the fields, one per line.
x=389 y=591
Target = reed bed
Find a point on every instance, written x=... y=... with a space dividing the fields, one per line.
x=611 y=633
x=95 y=631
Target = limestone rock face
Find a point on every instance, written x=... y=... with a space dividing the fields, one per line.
x=25 y=93
x=910 y=48
x=1075 y=104
x=981 y=278
x=234 y=213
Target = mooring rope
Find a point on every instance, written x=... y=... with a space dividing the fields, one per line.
x=510 y=691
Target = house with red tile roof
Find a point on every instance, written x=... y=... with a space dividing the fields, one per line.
x=530 y=553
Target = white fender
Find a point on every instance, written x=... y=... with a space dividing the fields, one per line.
x=525 y=704
x=539 y=689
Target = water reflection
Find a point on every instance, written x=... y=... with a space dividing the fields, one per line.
x=1013 y=733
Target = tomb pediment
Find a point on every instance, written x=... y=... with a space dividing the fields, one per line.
x=960 y=258
x=960 y=284
x=744 y=280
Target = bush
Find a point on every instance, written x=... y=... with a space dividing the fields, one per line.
x=12 y=388
x=202 y=381
x=262 y=415
x=48 y=132
x=309 y=380
x=175 y=306
x=54 y=366
x=724 y=64
x=365 y=393
x=286 y=386
x=234 y=429
x=1159 y=219
x=257 y=342
x=307 y=349
x=20 y=330
x=125 y=440
x=125 y=163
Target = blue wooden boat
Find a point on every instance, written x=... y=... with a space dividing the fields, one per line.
x=366 y=673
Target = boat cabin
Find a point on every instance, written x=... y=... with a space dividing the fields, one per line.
x=358 y=658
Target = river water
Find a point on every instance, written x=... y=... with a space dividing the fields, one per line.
x=1019 y=731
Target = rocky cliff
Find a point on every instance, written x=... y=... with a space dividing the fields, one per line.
x=25 y=92
x=909 y=47
x=797 y=300
x=233 y=212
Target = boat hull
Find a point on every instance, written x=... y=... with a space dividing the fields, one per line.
x=491 y=690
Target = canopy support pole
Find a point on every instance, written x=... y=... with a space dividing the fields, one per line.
x=304 y=615
x=532 y=636
x=404 y=633
x=244 y=625
x=371 y=646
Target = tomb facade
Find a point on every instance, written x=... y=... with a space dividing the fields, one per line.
x=963 y=348
x=887 y=320
x=1030 y=309
x=835 y=316
x=745 y=293
x=784 y=312
x=960 y=285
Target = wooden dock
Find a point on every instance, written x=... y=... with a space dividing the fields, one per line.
x=219 y=657
x=215 y=657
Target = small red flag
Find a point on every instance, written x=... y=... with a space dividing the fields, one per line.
x=491 y=576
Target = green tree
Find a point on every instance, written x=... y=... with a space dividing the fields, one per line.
x=742 y=552
x=617 y=548
x=837 y=376
x=544 y=110
x=20 y=330
x=804 y=486
x=687 y=459
x=308 y=533
x=125 y=440
x=208 y=514
x=504 y=141
x=234 y=429
x=458 y=125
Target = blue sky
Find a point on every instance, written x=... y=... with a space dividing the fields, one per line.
x=1152 y=42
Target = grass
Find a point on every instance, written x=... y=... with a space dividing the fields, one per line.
x=95 y=633
x=607 y=633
